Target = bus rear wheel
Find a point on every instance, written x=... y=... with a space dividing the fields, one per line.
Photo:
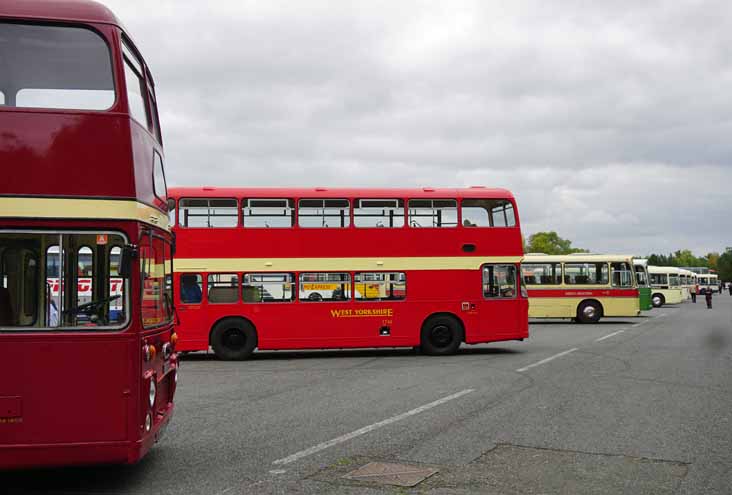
x=658 y=300
x=233 y=339
x=441 y=335
x=589 y=312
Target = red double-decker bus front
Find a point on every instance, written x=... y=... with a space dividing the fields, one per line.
x=344 y=268
x=87 y=360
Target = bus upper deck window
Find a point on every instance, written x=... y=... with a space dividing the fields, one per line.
x=487 y=213
x=47 y=66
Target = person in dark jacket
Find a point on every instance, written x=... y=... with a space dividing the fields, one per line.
x=708 y=297
x=729 y=286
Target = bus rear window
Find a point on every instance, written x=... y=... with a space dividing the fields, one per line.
x=47 y=66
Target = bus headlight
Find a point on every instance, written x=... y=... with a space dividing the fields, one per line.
x=153 y=392
x=148 y=422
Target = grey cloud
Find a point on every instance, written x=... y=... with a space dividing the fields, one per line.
x=598 y=115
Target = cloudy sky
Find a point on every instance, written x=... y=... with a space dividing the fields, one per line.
x=610 y=121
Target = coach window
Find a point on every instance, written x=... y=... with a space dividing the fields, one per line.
x=136 y=87
x=191 y=288
x=542 y=273
x=432 y=213
x=499 y=281
x=622 y=275
x=325 y=287
x=202 y=212
x=380 y=286
x=159 y=185
x=487 y=213
x=276 y=213
x=223 y=288
x=268 y=287
x=586 y=274
x=53 y=66
x=116 y=305
x=323 y=213
x=378 y=213
x=85 y=272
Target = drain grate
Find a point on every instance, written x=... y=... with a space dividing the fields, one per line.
x=391 y=474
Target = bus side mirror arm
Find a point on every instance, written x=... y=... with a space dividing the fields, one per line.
x=129 y=254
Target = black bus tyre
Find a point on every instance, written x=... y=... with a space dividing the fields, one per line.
x=441 y=335
x=589 y=312
x=658 y=300
x=233 y=339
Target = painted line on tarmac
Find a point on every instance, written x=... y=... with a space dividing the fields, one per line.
x=609 y=335
x=366 y=429
x=550 y=358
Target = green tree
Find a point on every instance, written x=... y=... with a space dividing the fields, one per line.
x=550 y=243
x=724 y=266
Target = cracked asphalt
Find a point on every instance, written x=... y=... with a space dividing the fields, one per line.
x=647 y=409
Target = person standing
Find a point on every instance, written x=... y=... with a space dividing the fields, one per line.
x=729 y=286
x=708 y=297
x=692 y=291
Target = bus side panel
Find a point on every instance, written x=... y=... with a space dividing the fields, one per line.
x=75 y=389
x=358 y=323
x=552 y=307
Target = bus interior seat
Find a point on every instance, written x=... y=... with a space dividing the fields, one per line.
x=547 y=279
x=222 y=294
x=582 y=279
x=528 y=280
x=6 y=309
x=251 y=293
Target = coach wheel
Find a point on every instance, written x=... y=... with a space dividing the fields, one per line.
x=233 y=339
x=589 y=312
x=441 y=335
x=658 y=300
x=315 y=296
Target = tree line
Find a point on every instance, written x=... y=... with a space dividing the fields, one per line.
x=552 y=243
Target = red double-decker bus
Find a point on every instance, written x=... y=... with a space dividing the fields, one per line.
x=345 y=268
x=87 y=358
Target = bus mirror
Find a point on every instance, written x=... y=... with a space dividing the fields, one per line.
x=171 y=204
x=129 y=253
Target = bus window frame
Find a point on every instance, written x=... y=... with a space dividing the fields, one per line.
x=112 y=65
x=149 y=233
x=140 y=68
x=384 y=272
x=73 y=329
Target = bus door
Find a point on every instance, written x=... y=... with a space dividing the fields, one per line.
x=70 y=359
x=190 y=306
x=498 y=309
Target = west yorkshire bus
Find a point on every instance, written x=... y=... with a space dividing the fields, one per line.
x=643 y=280
x=584 y=287
x=666 y=285
x=344 y=268
x=87 y=354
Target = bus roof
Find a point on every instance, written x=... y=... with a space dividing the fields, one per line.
x=663 y=269
x=331 y=192
x=576 y=257
x=58 y=10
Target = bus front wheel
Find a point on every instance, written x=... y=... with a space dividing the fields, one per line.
x=658 y=300
x=589 y=312
x=441 y=335
x=233 y=339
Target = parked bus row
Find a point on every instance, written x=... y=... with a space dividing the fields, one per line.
x=88 y=231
